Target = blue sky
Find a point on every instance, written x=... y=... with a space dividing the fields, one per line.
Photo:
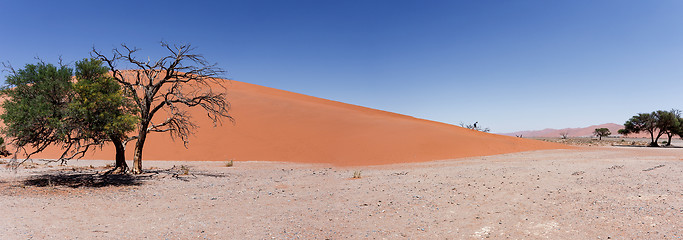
x=510 y=65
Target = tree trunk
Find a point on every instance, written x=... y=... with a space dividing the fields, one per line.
x=653 y=142
x=121 y=166
x=137 y=157
x=669 y=135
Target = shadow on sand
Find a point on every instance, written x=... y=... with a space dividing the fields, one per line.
x=79 y=179
x=641 y=146
x=95 y=179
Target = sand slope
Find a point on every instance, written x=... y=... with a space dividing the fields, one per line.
x=277 y=125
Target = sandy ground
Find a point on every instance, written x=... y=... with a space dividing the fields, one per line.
x=589 y=193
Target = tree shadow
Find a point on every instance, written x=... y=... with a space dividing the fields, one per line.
x=182 y=173
x=77 y=180
x=642 y=146
x=631 y=146
x=94 y=179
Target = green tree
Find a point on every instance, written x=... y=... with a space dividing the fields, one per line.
x=601 y=132
x=3 y=149
x=173 y=83
x=679 y=131
x=623 y=132
x=99 y=110
x=657 y=124
x=45 y=107
x=37 y=97
x=669 y=122
x=643 y=122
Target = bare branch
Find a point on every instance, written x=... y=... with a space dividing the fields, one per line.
x=173 y=83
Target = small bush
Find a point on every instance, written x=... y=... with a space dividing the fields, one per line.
x=229 y=163
x=356 y=174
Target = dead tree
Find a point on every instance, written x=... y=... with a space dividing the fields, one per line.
x=173 y=83
x=474 y=127
x=564 y=134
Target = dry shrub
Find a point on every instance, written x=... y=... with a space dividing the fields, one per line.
x=356 y=174
x=185 y=170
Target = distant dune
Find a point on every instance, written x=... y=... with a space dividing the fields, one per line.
x=277 y=125
x=572 y=132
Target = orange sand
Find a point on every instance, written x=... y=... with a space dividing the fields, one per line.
x=276 y=125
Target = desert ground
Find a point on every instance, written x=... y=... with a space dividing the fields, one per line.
x=583 y=193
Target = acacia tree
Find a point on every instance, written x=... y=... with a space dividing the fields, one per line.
x=3 y=150
x=679 y=131
x=669 y=122
x=643 y=122
x=44 y=107
x=564 y=134
x=37 y=97
x=173 y=83
x=99 y=110
x=601 y=132
x=656 y=124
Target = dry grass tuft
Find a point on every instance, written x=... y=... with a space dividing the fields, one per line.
x=185 y=170
x=356 y=174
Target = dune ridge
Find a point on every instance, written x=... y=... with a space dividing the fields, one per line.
x=278 y=125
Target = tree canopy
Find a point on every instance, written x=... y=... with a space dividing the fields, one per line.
x=602 y=132
x=46 y=107
x=180 y=80
x=655 y=124
x=100 y=110
x=669 y=123
x=37 y=98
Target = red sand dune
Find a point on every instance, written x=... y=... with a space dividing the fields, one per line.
x=276 y=125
